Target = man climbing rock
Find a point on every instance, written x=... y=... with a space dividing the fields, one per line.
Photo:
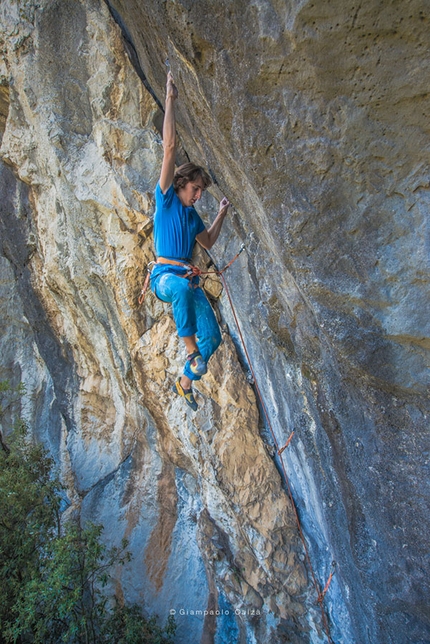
x=177 y=226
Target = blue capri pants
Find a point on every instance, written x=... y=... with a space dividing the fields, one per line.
x=192 y=314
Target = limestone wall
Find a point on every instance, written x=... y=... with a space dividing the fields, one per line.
x=312 y=120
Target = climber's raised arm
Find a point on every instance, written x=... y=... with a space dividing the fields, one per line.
x=169 y=136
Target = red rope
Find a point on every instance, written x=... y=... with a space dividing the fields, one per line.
x=320 y=594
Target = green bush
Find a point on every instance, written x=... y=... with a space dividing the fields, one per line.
x=53 y=574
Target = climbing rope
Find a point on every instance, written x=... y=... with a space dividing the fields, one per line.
x=320 y=593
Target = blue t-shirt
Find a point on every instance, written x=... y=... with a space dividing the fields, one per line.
x=175 y=230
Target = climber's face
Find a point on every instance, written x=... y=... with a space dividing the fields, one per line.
x=191 y=192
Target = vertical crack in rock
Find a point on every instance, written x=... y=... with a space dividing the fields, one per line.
x=132 y=53
x=129 y=46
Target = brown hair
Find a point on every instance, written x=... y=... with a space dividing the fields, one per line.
x=189 y=172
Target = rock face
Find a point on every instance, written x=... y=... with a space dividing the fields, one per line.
x=312 y=119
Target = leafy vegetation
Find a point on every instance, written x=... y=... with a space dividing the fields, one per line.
x=54 y=574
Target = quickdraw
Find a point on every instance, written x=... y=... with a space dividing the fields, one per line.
x=326 y=587
x=145 y=283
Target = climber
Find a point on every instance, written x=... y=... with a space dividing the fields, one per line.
x=177 y=226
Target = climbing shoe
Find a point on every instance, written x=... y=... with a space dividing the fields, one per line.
x=197 y=365
x=185 y=393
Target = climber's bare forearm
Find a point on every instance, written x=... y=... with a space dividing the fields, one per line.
x=208 y=237
x=169 y=136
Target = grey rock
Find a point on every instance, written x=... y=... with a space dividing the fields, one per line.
x=312 y=119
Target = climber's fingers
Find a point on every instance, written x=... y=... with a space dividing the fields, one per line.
x=171 y=89
x=224 y=204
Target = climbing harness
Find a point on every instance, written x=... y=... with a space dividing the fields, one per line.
x=280 y=450
x=192 y=271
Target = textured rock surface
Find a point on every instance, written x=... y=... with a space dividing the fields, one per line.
x=313 y=121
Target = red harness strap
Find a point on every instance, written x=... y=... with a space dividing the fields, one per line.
x=191 y=269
